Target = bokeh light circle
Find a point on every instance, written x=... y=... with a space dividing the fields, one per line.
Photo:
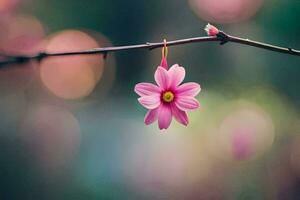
x=225 y=11
x=7 y=6
x=246 y=132
x=52 y=135
x=295 y=155
x=19 y=35
x=71 y=77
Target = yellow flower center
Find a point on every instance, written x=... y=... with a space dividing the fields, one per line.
x=168 y=97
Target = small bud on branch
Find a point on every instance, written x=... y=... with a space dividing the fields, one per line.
x=211 y=30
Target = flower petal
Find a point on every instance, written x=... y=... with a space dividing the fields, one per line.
x=150 y=102
x=162 y=78
x=151 y=116
x=180 y=115
x=188 y=89
x=164 y=116
x=146 y=89
x=176 y=75
x=187 y=103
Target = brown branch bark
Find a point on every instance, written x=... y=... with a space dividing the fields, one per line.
x=221 y=37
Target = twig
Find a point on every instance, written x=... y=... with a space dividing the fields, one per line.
x=220 y=37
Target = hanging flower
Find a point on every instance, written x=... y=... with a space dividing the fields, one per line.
x=168 y=98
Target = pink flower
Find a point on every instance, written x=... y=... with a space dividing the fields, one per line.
x=168 y=98
x=211 y=30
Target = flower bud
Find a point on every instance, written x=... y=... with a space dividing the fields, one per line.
x=211 y=30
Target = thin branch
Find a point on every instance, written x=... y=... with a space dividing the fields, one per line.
x=220 y=37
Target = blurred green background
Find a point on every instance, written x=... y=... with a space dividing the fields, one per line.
x=72 y=128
